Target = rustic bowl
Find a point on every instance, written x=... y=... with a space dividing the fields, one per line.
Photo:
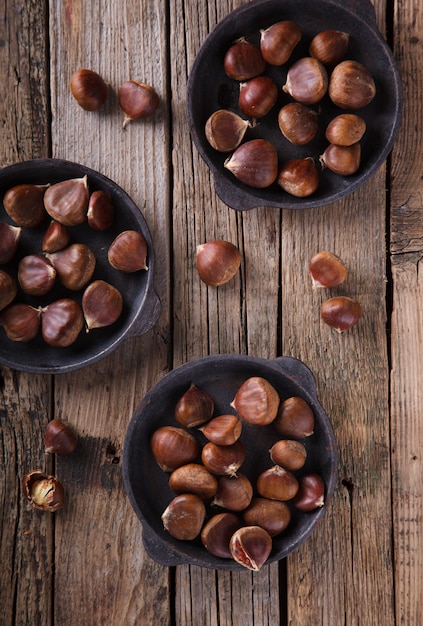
x=209 y=89
x=220 y=376
x=141 y=303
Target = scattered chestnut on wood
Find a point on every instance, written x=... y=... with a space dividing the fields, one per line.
x=89 y=89
x=217 y=262
x=298 y=123
x=257 y=96
x=67 y=201
x=295 y=418
x=173 y=447
x=340 y=312
x=74 y=265
x=194 y=407
x=102 y=304
x=9 y=241
x=225 y=130
x=256 y=401
x=277 y=483
x=306 y=81
x=243 y=60
x=25 y=204
x=224 y=430
x=193 y=478
x=137 y=100
x=254 y=163
x=21 y=321
x=327 y=270
x=298 y=177
x=342 y=160
x=36 y=275
x=55 y=238
x=217 y=532
x=329 y=46
x=311 y=492
x=184 y=516
x=128 y=252
x=272 y=515
x=278 y=41
x=351 y=85
x=101 y=210
x=43 y=491
x=289 y=454
x=233 y=493
x=60 y=438
x=345 y=129
x=223 y=460
x=61 y=322
x=251 y=547
x=8 y=289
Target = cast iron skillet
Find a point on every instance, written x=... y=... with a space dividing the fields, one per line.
x=210 y=89
x=147 y=485
x=141 y=303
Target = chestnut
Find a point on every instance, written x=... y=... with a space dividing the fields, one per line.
x=102 y=304
x=306 y=81
x=138 y=100
x=233 y=492
x=194 y=407
x=256 y=401
x=43 y=491
x=9 y=241
x=36 y=275
x=243 y=60
x=74 y=265
x=55 y=238
x=173 y=447
x=89 y=89
x=100 y=214
x=193 y=478
x=225 y=130
x=351 y=85
x=223 y=460
x=217 y=262
x=327 y=270
x=295 y=418
x=298 y=123
x=257 y=96
x=289 y=454
x=341 y=313
x=25 y=204
x=251 y=546
x=8 y=289
x=345 y=129
x=272 y=515
x=298 y=177
x=278 y=41
x=67 y=201
x=329 y=46
x=277 y=483
x=61 y=322
x=311 y=492
x=184 y=516
x=217 y=532
x=342 y=160
x=254 y=163
x=60 y=438
x=21 y=321
x=128 y=252
x=223 y=430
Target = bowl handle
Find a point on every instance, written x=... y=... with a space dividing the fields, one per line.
x=298 y=372
x=149 y=316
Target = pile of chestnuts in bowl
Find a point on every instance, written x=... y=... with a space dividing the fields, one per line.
x=293 y=104
x=230 y=461
x=76 y=267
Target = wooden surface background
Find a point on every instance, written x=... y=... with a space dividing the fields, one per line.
x=86 y=564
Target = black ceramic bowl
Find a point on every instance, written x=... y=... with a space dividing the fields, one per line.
x=209 y=89
x=141 y=303
x=220 y=376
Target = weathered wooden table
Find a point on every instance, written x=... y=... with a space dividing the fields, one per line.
x=86 y=564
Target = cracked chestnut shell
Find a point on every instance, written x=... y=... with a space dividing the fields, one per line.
x=251 y=546
x=43 y=491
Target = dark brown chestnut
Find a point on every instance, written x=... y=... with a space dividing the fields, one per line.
x=311 y=492
x=217 y=532
x=74 y=265
x=351 y=85
x=243 y=60
x=298 y=123
x=55 y=238
x=128 y=252
x=194 y=407
x=272 y=515
x=254 y=163
x=36 y=275
x=25 y=204
x=295 y=418
x=256 y=401
x=299 y=177
x=193 y=478
x=257 y=96
x=8 y=289
x=138 y=100
x=173 y=447
x=61 y=322
x=101 y=210
x=67 y=201
x=102 y=304
x=184 y=516
x=60 y=438
x=278 y=41
x=340 y=312
x=223 y=460
x=89 y=89
x=9 y=241
x=329 y=46
x=217 y=262
x=251 y=546
x=21 y=321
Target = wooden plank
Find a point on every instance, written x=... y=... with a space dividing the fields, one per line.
x=26 y=539
x=406 y=247
x=239 y=317
x=102 y=570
